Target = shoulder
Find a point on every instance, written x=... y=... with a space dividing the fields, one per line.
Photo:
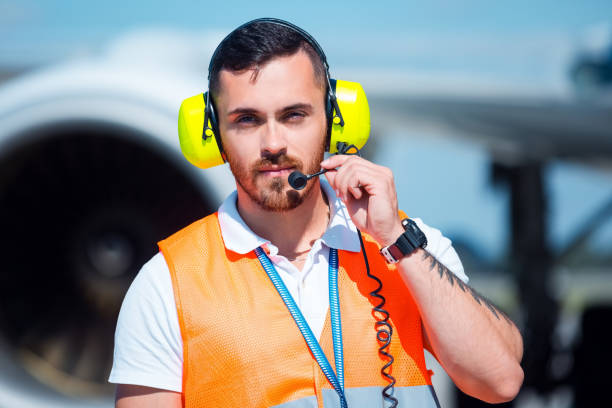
x=148 y=344
x=190 y=231
x=442 y=249
x=152 y=285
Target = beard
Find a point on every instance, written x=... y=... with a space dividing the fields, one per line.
x=274 y=194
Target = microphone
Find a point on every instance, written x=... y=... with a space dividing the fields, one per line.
x=298 y=180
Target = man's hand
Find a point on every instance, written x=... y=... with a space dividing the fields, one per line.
x=368 y=191
x=476 y=344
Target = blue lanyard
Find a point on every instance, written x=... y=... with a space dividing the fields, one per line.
x=335 y=379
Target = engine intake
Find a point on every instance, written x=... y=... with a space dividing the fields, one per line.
x=83 y=206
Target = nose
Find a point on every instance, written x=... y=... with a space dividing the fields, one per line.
x=273 y=140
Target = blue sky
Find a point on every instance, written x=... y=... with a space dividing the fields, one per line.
x=519 y=45
x=391 y=15
x=520 y=42
x=67 y=26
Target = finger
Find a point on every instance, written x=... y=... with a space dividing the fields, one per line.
x=334 y=161
x=331 y=178
x=339 y=160
x=355 y=179
x=348 y=183
x=346 y=177
x=356 y=192
x=334 y=167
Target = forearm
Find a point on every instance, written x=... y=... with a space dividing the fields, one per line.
x=476 y=343
x=478 y=347
x=137 y=396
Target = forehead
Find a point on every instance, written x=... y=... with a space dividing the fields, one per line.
x=282 y=81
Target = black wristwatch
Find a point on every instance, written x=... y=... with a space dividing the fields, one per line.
x=407 y=243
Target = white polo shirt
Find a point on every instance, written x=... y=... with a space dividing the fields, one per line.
x=148 y=344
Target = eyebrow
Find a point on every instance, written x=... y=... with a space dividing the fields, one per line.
x=305 y=106
x=242 y=111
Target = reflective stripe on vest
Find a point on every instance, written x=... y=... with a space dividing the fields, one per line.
x=421 y=396
x=242 y=348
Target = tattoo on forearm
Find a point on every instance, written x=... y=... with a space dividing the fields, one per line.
x=435 y=265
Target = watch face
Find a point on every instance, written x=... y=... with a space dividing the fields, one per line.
x=405 y=223
x=411 y=225
x=415 y=235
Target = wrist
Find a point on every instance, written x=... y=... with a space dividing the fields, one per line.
x=392 y=236
x=408 y=240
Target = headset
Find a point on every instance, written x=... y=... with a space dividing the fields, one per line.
x=347 y=111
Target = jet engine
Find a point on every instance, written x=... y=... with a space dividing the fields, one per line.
x=91 y=177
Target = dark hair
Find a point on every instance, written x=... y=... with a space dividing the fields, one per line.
x=254 y=45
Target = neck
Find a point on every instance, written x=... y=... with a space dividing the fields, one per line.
x=293 y=231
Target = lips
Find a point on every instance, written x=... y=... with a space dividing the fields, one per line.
x=277 y=165
x=275 y=171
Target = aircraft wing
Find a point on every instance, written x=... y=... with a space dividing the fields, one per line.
x=511 y=129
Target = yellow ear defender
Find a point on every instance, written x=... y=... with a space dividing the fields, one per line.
x=347 y=107
x=199 y=143
x=350 y=120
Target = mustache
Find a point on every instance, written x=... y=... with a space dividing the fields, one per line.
x=280 y=159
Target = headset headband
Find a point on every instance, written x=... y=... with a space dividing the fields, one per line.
x=307 y=37
x=337 y=116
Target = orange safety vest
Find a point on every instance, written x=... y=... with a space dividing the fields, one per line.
x=242 y=348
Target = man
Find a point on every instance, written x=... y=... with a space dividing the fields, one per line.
x=202 y=325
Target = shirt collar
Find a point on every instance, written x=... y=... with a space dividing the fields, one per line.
x=341 y=233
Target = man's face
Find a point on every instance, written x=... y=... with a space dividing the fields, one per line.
x=272 y=122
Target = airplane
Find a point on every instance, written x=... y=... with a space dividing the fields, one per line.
x=91 y=176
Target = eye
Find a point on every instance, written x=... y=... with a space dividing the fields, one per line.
x=294 y=116
x=246 y=120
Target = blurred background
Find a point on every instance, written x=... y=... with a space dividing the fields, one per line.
x=496 y=118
